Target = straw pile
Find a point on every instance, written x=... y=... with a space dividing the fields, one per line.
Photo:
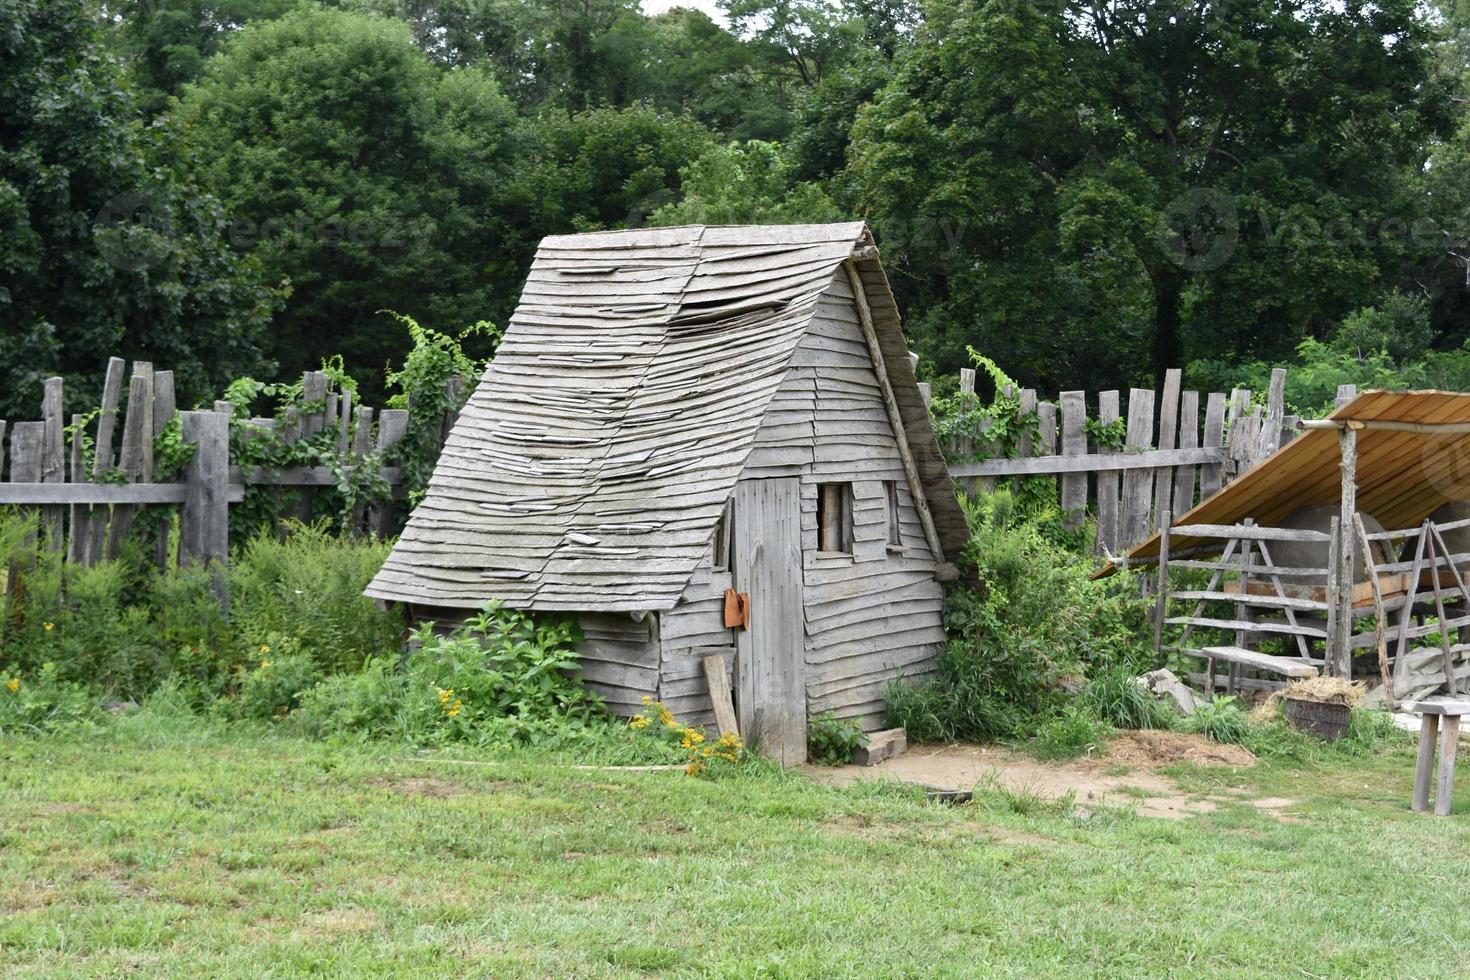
x=1328 y=690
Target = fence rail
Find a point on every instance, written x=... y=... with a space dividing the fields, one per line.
x=1178 y=448
x=1168 y=462
x=91 y=479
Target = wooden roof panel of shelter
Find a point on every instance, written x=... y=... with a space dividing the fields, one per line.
x=590 y=466
x=1403 y=474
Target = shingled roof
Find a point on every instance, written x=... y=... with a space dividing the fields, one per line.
x=591 y=465
x=1411 y=449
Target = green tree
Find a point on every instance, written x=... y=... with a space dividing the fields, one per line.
x=609 y=168
x=745 y=183
x=105 y=247
x=167 y=42
x=1094 y=190
x=367 y=177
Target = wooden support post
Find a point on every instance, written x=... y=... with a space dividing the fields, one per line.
x=1212 y=475
x=1270 y=438
x=77 y=530
x=1161 y=602
x=205 y=521
x=1334 y=607
x=1168 y=434
x=1380 y=618
x=1188 y=439
x=136 y=456
x=717 y=679
x=392 y=427
x=1138 y=485
x=1339 y=659
x=1424 y=762
x=1074 y=443
x=53 y=462
x=1444 y=785
x=1108 y=411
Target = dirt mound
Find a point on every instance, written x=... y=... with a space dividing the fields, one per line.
x=1160 y=748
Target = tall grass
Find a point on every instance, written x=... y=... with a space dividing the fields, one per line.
x=309 y=586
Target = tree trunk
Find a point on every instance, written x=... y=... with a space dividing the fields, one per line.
x=1168 y=349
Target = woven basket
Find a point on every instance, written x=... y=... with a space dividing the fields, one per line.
x=1325 y=719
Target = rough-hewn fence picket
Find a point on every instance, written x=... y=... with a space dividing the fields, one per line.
x=87 y=511
x=1167 y=464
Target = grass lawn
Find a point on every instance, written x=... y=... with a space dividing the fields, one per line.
x=182 y=848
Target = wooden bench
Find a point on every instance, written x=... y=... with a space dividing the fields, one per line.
x=1291 y=667
x=1431 y=710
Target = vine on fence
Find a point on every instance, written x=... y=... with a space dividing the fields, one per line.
x=424 y=390
x=995 y=430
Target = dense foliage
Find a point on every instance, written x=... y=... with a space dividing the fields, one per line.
x=1085 y=191
x=1030 y=626
x=106 y=244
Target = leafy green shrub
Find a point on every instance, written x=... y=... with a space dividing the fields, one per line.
x=1220 y=719
x=1073 y=732
x=830 y=741
x=309 y=587
x=275 y=685
x=503 y=679
x=41 y=701
x=1115 y=696
x=1031 y=618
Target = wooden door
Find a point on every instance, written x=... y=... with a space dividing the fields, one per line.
x=770 y=655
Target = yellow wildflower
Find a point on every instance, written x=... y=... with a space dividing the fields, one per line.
x=264 y=648
x=637 y=722
x=13 y=684
x=265 y=665
x=48 y=627
x=691 y=738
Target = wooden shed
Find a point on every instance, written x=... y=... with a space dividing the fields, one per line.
x=676 y=414
x=1346 y=552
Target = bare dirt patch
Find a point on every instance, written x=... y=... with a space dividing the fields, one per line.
x=423 y=786
x=339 y=922
x=1153 y=748
x=1122 y=777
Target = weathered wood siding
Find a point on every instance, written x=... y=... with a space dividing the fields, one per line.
x=690 y=631
x=868 y=617
x=876 y=614
x=620 y=658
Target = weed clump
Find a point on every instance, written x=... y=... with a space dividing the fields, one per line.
x=1030 y=621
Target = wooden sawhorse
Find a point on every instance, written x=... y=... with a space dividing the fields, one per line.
x=1430 y=711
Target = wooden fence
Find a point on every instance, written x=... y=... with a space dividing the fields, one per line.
x=1167 y=464
x=90 y=499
